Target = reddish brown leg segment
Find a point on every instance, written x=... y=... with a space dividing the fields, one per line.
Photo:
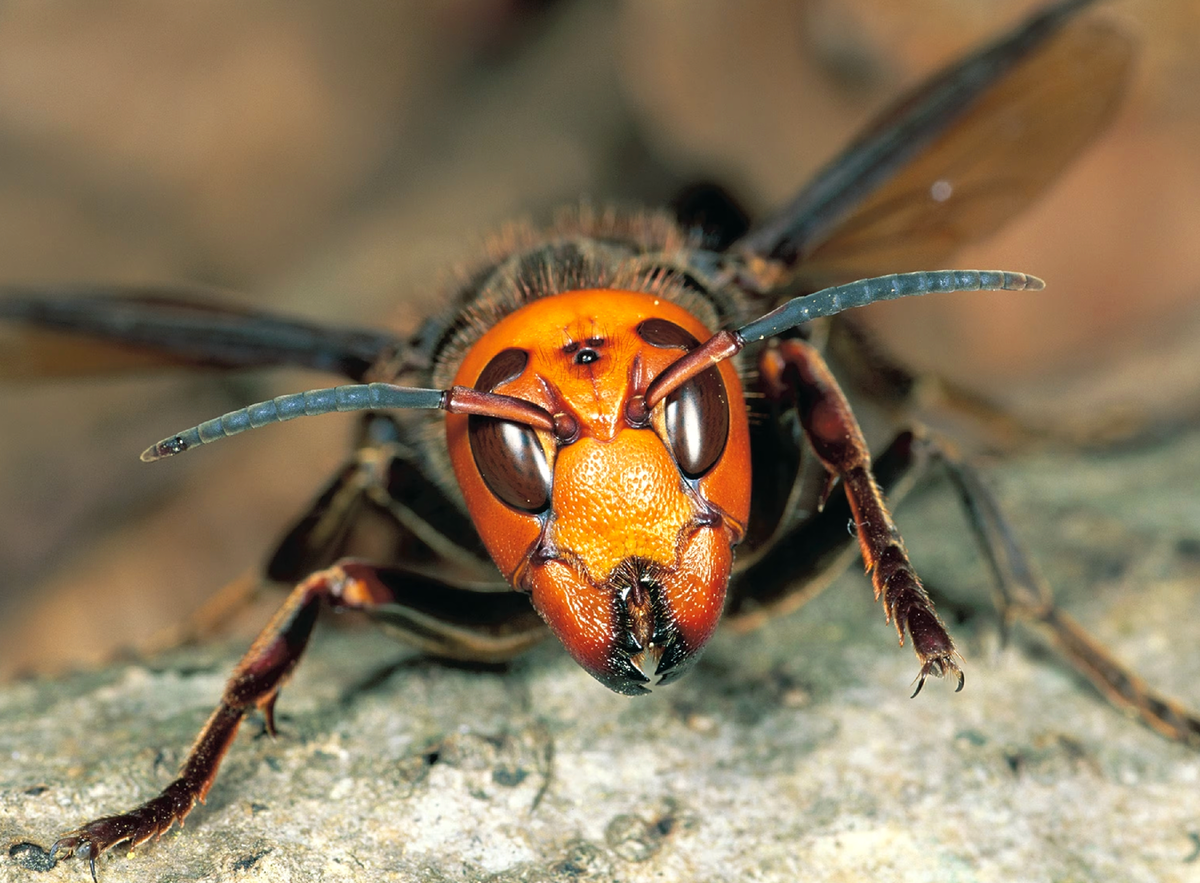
x=1024 y=596
x=255 y=683
x=797 y=371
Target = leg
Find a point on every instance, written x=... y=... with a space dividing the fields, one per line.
x=255 y=683
x=802 y=563
x=380 y=507
x=377 y=507
x=803 y=560
x=1022 y=595
x=795 y=370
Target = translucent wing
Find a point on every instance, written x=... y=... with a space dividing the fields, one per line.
x=953 y=161
x=56 y=332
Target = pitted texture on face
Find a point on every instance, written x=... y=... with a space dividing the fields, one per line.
x=585 y=360
x=610 y=502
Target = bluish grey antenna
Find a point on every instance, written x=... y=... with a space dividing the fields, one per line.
x=829 y=301
x=352 y=397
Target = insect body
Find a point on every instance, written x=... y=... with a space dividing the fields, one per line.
x=597 y=473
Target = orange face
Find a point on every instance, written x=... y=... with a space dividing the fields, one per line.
x=624 y=534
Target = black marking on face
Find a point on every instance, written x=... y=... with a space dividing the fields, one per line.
x=585 y=352
x=648 y=649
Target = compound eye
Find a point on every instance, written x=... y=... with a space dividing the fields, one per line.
x=508 y=455
x=697 y=420
x=697 y=413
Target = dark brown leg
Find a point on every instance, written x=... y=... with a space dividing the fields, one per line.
x=796 y=371
x=809 y=556
x=1022 y=595
x=255 y=683
x=381 y=507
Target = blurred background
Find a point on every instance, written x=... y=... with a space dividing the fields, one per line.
x=333 y=160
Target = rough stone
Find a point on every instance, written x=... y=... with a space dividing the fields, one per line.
x=793 y=753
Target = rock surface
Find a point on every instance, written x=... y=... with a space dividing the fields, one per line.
x=793 y=753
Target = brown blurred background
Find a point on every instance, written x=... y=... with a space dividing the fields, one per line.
x=334 y=159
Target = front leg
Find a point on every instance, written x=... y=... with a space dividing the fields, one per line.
x=796 y=371
x=255 y=683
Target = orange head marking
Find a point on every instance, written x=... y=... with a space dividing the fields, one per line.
x=622 y=532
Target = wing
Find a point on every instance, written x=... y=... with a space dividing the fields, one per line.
x=58 y=332
x=952 y=161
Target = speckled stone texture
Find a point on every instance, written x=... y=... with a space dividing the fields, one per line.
x=789 y=754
